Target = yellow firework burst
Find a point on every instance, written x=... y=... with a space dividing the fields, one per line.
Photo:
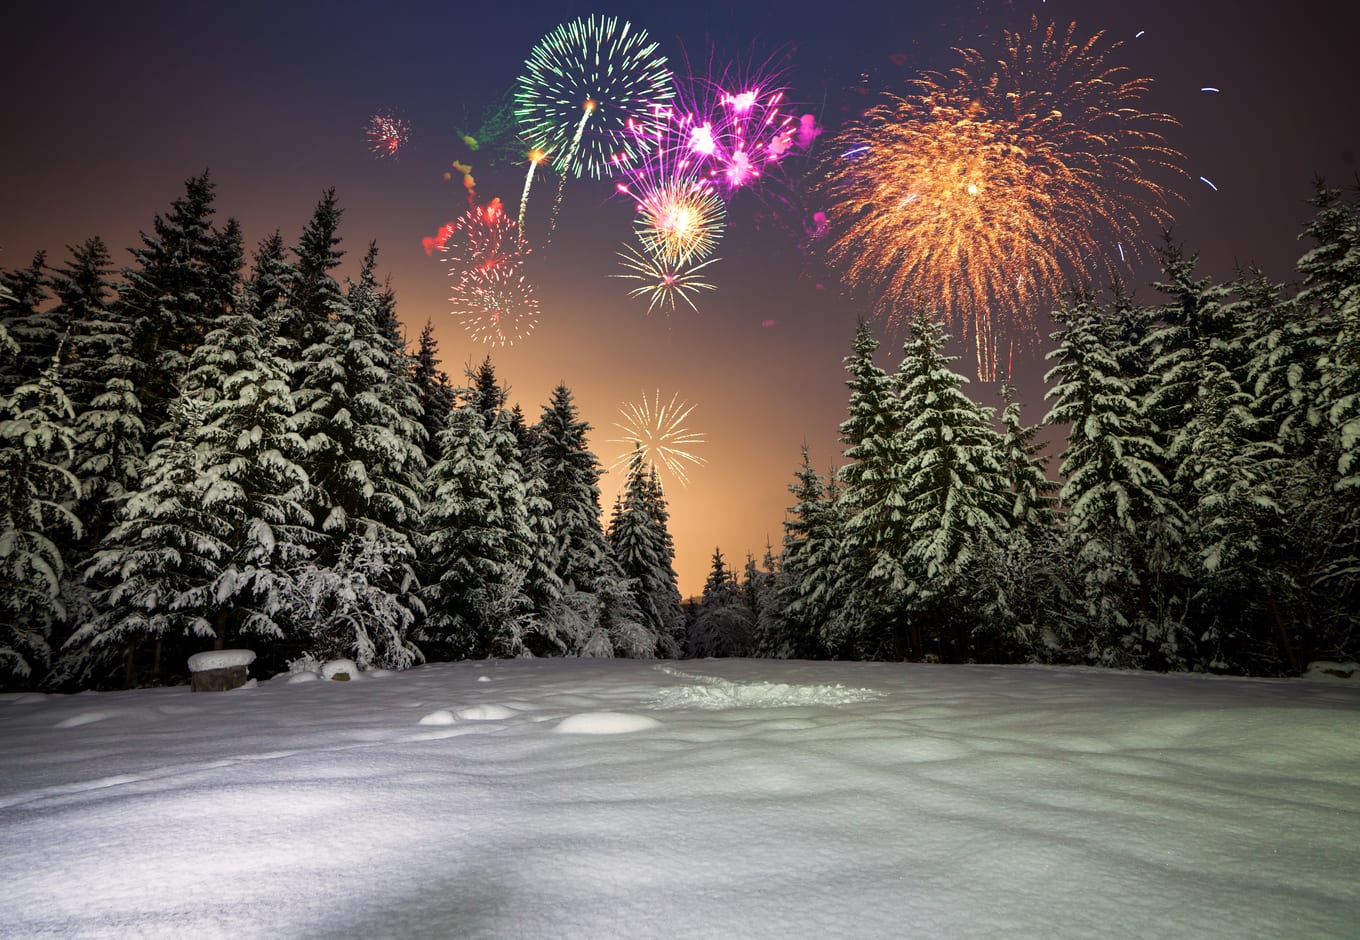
x=663 y=283
x=657 y=437
x=680 y=218
x=983 y=189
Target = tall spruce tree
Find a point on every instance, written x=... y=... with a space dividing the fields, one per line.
x=37 y=492
x=810 y=594
x=34 y=326
x=640 y=546
x=183 y=279
x=252 y=478
x=589 y=576
x=952 y=496
x=434 y=392
x=154 y=572
x=1120 y=517
x=363 y=457
x=478 y=543
x=875 y=569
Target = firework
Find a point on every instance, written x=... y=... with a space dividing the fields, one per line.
x=983 y=189
x=495 y=305
x=484 y=239
x=657 y=437
x=387 y=134
x=663 y=284
x=680 y=218
x=582 y=84
x=737 y=124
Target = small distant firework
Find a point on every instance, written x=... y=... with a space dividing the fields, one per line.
x=387 y=133
x=657 y=437
x=988 y=186
x=495 y=306
x=662 y=283
x=582 y=84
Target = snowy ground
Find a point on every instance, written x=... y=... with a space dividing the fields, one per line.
x=587 y=798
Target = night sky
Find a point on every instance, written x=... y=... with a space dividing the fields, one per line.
x=110 y=107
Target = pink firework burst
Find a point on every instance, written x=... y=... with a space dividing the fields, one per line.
x=387 y=133
x=735 y=123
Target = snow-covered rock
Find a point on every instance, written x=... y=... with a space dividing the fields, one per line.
x=339 y=668
x=220 y=659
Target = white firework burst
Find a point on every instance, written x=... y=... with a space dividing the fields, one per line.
x=657 y=437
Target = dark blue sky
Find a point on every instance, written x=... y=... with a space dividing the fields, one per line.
x=110 y=109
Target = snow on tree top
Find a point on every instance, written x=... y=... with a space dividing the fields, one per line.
x=220 y=659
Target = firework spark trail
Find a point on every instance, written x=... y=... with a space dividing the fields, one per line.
x=981 y=191
x=663 y=284
x=535 y=158
x=658 y=437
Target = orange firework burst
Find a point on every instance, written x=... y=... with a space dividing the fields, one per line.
x=983 y=188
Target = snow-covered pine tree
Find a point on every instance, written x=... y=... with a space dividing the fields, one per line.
x=638 y=542
x=84 y=289
x=672 y=615
x=1117 y=498
x=37 y=492
x=876 y=573
x=349 y=605
x=723 y=625
x=358 y=420
x=476 y=544
x=434 y=391
x=31 y=323
x=314 y=295
x=951 y=493
x=1025 y=465
x=571 y=474
x=810 y=595
x=184 y=279
x=1331 y=295
x=1331 y=290
x=766 y=586
x=1229 y=472
x=153 y=574
x=252 y=477
x=1018 y=583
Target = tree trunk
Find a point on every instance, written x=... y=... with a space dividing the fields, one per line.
x=130 y=665
x=1283 y=634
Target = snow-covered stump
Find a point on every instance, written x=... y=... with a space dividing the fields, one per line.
x=219 y=670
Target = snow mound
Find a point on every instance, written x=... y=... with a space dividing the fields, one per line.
x=1332 y=672
x=220 y=659
x=605 y=723
x=303 y=677
x=485 y=713
x=335 y=667
x=715 y=693
x=441 y=716
x=84 y=718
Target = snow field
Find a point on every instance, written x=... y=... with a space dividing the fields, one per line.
x=714 y=798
